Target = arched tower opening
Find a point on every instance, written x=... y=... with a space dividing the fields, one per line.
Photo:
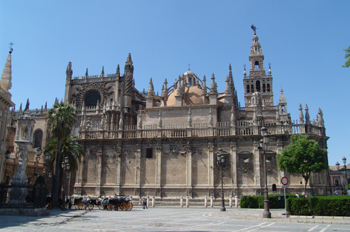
x=92 y=97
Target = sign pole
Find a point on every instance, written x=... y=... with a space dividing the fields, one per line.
x=285 y=201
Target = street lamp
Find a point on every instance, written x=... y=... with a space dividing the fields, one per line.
x=263 y=146
x=220 y=160
x=346 y=174
x=65 y=166
x=337 y=164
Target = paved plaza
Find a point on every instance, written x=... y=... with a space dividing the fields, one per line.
x=171 y=219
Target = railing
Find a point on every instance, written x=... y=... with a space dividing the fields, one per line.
x=183 y=130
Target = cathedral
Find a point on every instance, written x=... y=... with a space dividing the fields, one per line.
x=144 y=144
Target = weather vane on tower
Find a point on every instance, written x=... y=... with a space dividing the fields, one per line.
x=11 y=49
x=254 y=28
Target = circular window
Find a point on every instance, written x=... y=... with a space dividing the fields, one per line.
x=92 y=97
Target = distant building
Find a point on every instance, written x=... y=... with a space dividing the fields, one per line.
x=141 y=143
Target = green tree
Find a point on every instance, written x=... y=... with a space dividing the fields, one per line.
x=61 y=119
x=69 y=148
x=347 y=56
x=303 y=156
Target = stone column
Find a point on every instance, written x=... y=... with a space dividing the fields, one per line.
x=138 y=166
x=189 y=171
x=234 y=164
x=118 y=169
x=211 y=164
x=158 y=165
x=257 y=161
x=99 y=171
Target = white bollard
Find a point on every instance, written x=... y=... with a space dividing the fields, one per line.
x=230 y=202
x=153 y=201
x=147 y=201
x=211 y=201
x=205 y=202
x=236 y=201
x=187 y=201
x=181 y=201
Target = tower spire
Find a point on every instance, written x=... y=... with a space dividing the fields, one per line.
x=6 y=76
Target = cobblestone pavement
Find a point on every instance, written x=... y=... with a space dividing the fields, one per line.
x=171 y=219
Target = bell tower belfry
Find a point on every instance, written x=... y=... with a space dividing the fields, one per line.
x=257 y=80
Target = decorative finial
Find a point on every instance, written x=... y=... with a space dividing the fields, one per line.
x=189 y=67
x=11 y=49
x=254 y=28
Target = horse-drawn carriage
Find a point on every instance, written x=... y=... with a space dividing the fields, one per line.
x=121 y=202
x=81 y=203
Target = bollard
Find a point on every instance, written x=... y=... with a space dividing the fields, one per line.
x=181 y=201
x=205 y=201
x=153 y=201
x=187 y=201
x=236 y=201
x=211 y=201
x=230 y=202
x=147 y=201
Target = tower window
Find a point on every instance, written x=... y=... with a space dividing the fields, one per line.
x=268 y=87
x=248 y=89
x=252 y=88
x=256 y=65
x=190 y=81
x=264 y=89
x=149 y=153
x=258 y=86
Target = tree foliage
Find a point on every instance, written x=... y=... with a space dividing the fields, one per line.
x=303 y=156
x=347 y=56
x=61 y=119
x=70 y=148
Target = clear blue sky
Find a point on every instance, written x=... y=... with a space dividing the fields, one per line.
x=303 y=41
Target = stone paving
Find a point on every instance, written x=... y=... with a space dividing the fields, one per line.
x=171 y=219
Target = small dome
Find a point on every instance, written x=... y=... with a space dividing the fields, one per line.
x=192 y=96
x=189 y=72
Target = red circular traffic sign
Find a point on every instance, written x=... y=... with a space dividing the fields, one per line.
x=284 y=180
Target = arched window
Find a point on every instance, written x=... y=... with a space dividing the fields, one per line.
x=257 y=84
x=92 y=97
x=264 y=89
x=189 y=81
x=248 y=89
x=268 y=87
x=38 y=137
x=252 y=88
x=256 y=65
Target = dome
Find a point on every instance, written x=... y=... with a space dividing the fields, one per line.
x=189 y=72
x=192 y=96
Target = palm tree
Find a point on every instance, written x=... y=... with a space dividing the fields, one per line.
x=347 y=56
x=61 y=119
x=71 y=149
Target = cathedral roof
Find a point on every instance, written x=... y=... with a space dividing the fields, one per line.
x=192 y=96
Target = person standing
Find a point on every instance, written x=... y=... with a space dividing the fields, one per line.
x=145 y=203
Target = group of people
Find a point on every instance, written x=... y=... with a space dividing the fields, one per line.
x=143 y=202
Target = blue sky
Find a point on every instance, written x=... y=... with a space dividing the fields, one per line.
x=303 y=41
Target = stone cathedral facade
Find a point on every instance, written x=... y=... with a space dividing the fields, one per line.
x=140 y=143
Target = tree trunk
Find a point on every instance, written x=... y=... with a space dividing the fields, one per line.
x=55 y=190
x=306 y=181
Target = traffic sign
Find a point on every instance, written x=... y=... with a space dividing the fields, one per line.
x=284 y=180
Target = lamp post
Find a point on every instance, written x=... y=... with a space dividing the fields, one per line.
x=65 y=166
x=47 y=160
x=263 y=146
x=220 y=160
x=346 y=174
x=7 y=156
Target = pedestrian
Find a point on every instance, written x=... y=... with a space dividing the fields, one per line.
x=140 y=201
x=145 y=203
